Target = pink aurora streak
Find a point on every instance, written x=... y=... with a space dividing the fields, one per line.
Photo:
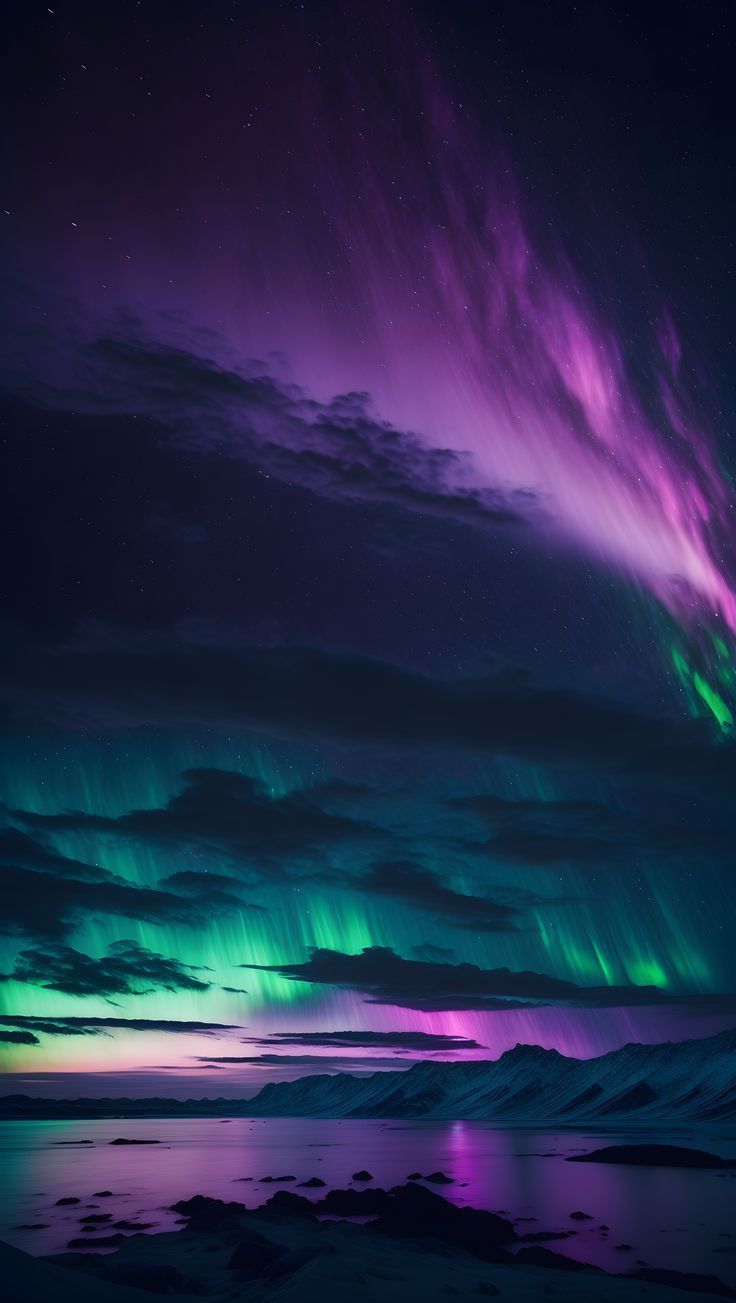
x=495 y=353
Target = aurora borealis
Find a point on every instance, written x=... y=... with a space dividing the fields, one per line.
x=369 y=627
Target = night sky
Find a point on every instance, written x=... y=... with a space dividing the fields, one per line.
x=369 y=609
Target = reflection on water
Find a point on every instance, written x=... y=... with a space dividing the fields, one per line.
x=674 y=1218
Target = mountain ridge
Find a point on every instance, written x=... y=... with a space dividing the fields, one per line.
x=676 y=1081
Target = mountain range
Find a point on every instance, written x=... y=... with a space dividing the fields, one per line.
x=687 y=1080
x=684 y=1081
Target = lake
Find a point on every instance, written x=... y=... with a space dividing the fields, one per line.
x=681 y=1219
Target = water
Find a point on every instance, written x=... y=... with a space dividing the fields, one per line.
x=673 y=1218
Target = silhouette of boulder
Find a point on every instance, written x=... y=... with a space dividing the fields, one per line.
x=314 y=1183
x=68 y=1199
x=413 y=1211
x=581 y=1217
x=100 y=1242
x=654 y=1156
x=353 y=1203
x=539 y=1237
x=122 y=1141
x=285 y=1202
x=536 y=1256
x=205 y=1214
x=439 y=1178
x=362 y=1175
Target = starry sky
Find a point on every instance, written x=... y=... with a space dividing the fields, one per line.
x=369 y=611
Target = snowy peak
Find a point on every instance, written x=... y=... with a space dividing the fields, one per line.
x=685 y=1081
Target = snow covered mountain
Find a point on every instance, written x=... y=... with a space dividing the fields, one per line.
x=688 y=1080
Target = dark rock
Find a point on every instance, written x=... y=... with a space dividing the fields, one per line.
x=102 y=1194
x=539 y=1237
x=96 y=1217
x=413 y=1211
x=102 y=1242
x=122 y=1141
x=581 y=1217
x=313 y=1183
x=414 y=1176
x=685 y=1280
x=362 y=1175
x=624 y=1248
x=205 y=1214
x=285 y=1202
x=653 y=1156
x=134 y=1226
x=242 y=1178
x=535 y=1256
x=61 y=1203
x=353 y=1203
x=31 y=1226
x=439 y=1178
x=265 y=1180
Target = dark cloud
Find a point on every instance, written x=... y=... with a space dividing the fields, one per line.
x=18 y=1038
x=126 y=969
x=218 y=891
x=310 y=693
x=323 y=1061
x=203 y=883
x=83 y=1026
x=340 y=449
x=232 y=814
x=428 y=1041
x=544 y=848
x=539 y=832
x=387 y=978
x=42 y=905
x=46 y=894
x=429 y=951
x=403 y=881
x=591 y=835
x=19 y=849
